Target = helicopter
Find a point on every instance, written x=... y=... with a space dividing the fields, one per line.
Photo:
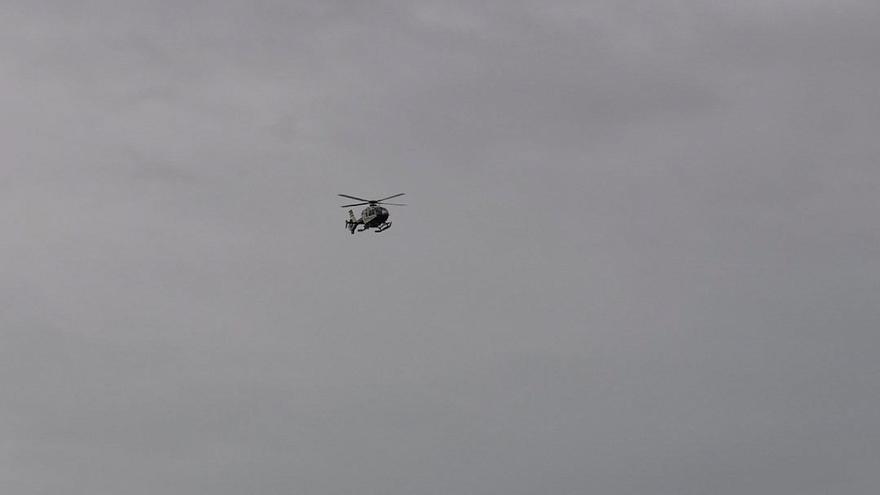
x=373 y=216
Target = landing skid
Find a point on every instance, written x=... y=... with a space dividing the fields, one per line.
x=383 y=227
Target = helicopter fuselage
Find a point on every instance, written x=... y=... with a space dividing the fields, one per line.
x=374 y=216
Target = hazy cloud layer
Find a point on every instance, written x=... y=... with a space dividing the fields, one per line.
x=641 y=253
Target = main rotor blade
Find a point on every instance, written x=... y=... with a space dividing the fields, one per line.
x=356 y=204
x=392 y=204
x=389 y=197
x=354 y=197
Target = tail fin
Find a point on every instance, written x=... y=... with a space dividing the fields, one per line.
x=351 y=223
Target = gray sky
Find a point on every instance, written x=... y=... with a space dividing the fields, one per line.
x=641 y=254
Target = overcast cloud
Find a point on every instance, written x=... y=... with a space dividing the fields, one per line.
x=641 y=253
